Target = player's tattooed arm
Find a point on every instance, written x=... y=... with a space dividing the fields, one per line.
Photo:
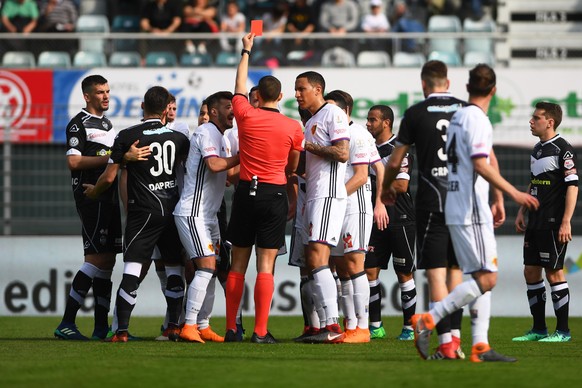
x=338 y=151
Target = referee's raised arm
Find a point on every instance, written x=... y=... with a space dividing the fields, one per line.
x=240 y=86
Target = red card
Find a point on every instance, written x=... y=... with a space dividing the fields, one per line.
x=257 y=27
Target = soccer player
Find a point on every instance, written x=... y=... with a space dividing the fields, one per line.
x=425 y=125
x=269 y=146
x=395 y=238
x=90 y=137
x=196 y=212
x=349 y=255
x=152 y=193
x=469 y=152
x=327 y=144
x=554 y=182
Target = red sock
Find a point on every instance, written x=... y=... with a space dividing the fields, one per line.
x=235 y=284
x=264 y=289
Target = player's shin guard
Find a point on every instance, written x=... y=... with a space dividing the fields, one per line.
x=480 y=310
x=126 y=299
x=375 y=302
x=347 y=303
x=79 y=288
x=408 y=300
x=264 y=289
x=561 y=299
x=174 y=297
x=102 y=286
x=361 y=299
x=203 y=320
x=234 y=291
x=536 y=296
x=326 y=290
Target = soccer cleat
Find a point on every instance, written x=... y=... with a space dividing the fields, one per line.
x=69 y=331
x=231 y=336
x=240 y=332
x=357 y=336
x=308 y=331
x=406 y=335
x=170 y=333
x=120 y=336
x=207 y=334
x=331 y=334
x=190 y=333
x=266 y=339
x=423 y=325
x=457 y=347
x=557 y=336
x=100 y=334
x=531 y=336
x=377 y=332
x=482 y=352
x=445 y=351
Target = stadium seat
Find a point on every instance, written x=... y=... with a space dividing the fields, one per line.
x=443 y=23
x=452 y=59
x=84 y=59
x=92 y=24
x=338 y=57
x=161 y=59
x=125 y=23
x=93 y=7
x=473 y=58
x=301 y=58
x=125 y=59
x=226 y=58
x=479 y=44
x=195 y=60
x=54 y=59
x=404 y=59
x=18 y=59
x=373 y=59
x=270 y=58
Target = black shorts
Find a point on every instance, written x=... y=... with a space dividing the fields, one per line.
x=223 y=259
x=259 y=219
x=143 y=231
x=398 y=242
x=100 y=227
x=433 y=241
x=542 y=248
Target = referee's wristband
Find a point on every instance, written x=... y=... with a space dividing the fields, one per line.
x=245 y=51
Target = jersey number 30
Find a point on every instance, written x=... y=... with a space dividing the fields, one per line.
x=164 y=155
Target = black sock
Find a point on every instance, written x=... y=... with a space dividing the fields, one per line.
x=102 y=293
x=408 y=301
x=79 y=289
x=174 y=298
x=126 y=299
x=456 y=319
x=376 y=302
x=561 y=298
x=536 y=295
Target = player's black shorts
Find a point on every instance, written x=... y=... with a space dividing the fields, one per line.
x=433 y=241
x=223 y=262
x=398 y=242
x=542 y=248
x=259 y=219
x=143 y=231
x=100 y=227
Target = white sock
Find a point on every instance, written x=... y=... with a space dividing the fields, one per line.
x=361 y=300
x=480 y=310
x=462 y=295
x=307 y=299
x=207 y=305
x=325 y=291
x=196 y=294
x=347 y=303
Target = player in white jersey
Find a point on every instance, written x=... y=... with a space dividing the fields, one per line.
x=469 y=218
x=195 y=213
x=327 y=150
x=349 y=255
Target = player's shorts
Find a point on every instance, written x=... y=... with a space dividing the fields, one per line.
x=475 y=247
x=324 y=218
x=542 y=248
x=260 y=219
x=200 y=236
x=298 y=233
x=101 y=227
x=223 y=259
x=143 y=231
x=433 y=242
x=396 y=242
x=355 y=234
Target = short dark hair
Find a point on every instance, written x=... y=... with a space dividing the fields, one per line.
x=90 y=81
x=213 y=100
x=314 y=79
x=338 y=98
x=481 y=80
x=156 y=100
x=551 y=111
x=385 y=112
x=269 y=88
x=433 y=73
x=172 y=98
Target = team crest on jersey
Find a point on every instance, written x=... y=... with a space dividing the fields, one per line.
x=313 y=129
x=568 y=164
x=348 y=243
x=74 y=128
x=73 y=142
x=338 y=119
x=211 y=247
x=105 y=125
x=539 y=153
x=495 y=262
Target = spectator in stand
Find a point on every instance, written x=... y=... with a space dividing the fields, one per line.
x=374 y=22
x=339 y=17
x=18 y=16
x=300 y=20
x=58 y=16
x=404 y=21
x=232 y=21
x=274 y=22
x=199 y=16
x=160 y=17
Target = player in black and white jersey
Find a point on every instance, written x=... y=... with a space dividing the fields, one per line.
x=90 y=136
x=152 y=193
x=395 y=239
x=554 y=182
x=425 y=125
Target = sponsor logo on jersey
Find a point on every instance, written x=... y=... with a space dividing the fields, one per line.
x=103 y=152
x=444 y=108
x=210 y=149
x=95 y=135
x=157 y=131
x=568 y=164
x=74 y=128
x=541 y=182
x=73 y=142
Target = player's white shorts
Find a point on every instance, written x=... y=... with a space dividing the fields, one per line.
x=324 y=218
x=200 y=236
x=475 y=247
x=356 y=231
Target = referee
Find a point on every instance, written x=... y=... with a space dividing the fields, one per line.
x=269 y=145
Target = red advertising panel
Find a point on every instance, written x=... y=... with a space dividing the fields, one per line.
x=26 y=105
